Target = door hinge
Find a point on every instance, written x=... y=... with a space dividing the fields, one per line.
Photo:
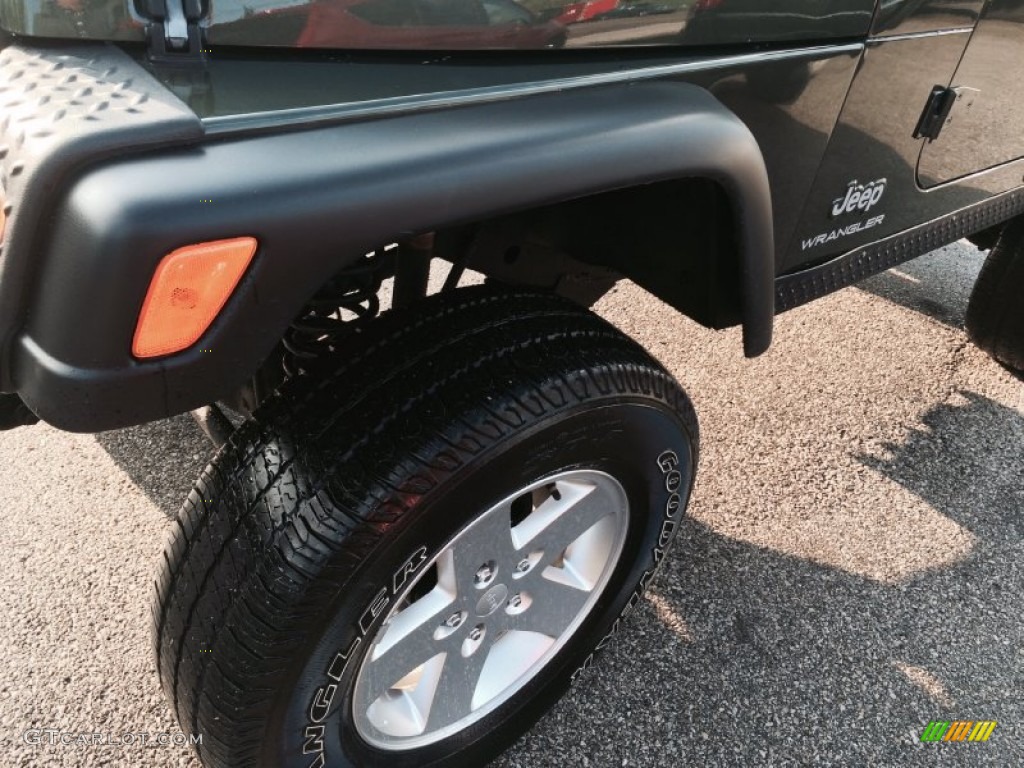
x=174 y=34
x=940 y=104
x=936 y=110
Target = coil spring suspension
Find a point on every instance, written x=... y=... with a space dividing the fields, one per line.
x=348 y=301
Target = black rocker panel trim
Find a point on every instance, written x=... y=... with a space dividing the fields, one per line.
x=798 y=288
x=319 y=199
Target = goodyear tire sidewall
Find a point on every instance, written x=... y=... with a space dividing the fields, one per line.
x=641 y=442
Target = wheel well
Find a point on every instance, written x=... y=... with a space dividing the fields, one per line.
x=673 y=238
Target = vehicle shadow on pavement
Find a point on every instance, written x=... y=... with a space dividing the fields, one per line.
x=162 y=458
x=985 y=493
x=743 y=656
x=937 y=285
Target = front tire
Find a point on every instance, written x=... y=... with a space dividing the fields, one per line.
x=405 y=557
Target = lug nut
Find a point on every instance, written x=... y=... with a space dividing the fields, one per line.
x=474 y=641
x=454 y=621
x=518 y=603
x=484 y=574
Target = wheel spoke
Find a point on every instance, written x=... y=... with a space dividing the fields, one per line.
x=556 y=523
x=453 y=694
x=407 y=642
x=554 y=605
x=488 y=540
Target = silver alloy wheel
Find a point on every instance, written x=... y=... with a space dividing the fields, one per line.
x=496 y=605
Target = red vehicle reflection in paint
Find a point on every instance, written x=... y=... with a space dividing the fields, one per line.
x=574 y=13
x=398 y=24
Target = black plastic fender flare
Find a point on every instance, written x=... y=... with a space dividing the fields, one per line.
x=319 y=197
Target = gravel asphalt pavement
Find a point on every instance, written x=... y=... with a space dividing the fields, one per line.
x=852 y=567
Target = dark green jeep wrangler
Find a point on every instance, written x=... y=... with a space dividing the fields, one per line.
x=422 y=523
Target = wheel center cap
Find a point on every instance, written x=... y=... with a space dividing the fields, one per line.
x=492 y=600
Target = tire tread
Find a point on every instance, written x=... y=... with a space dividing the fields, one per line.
x=995 y=312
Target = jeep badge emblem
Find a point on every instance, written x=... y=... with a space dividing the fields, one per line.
x=492 y=600
x=859 y=197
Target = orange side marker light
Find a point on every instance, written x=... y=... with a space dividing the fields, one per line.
x=189 y=288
